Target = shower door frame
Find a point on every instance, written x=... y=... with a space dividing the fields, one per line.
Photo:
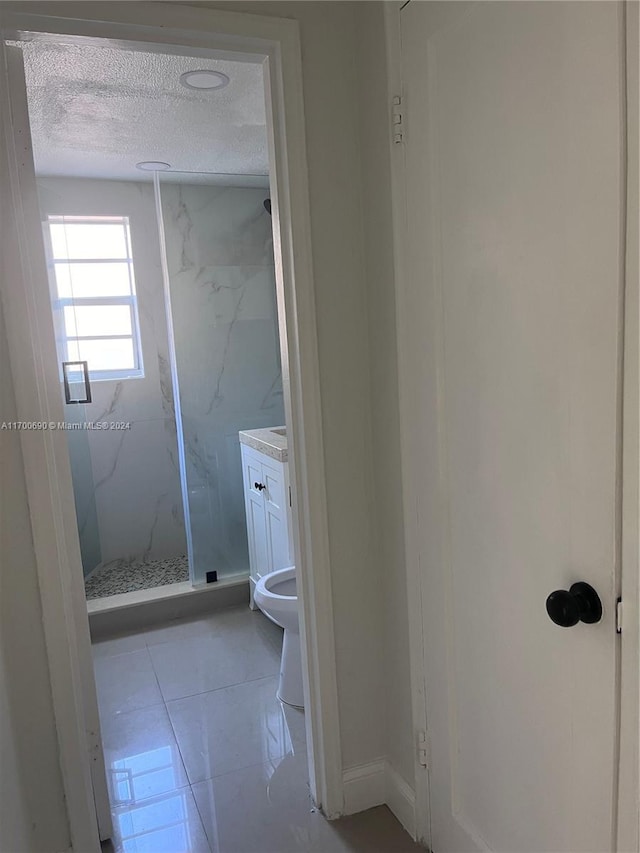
x=192 y=31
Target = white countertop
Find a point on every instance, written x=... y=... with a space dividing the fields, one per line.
x=272 y=441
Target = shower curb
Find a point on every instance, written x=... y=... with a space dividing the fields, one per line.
x=132 y=611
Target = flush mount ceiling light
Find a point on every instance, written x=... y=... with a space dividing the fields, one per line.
x=153 y=166
x=204 y=79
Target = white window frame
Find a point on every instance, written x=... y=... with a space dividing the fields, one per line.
x=59 y=303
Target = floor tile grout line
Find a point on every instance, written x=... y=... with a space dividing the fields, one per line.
x=121 y=714
x=164 y=701
x=104 y=657
x=223 y=687
x=240 y=769
x=200 y=692
x=211 y=779
x=202 y=823
x=265 y=641
x=156 y=796
x=177 y=739
x=179 y=748
x=205 y=636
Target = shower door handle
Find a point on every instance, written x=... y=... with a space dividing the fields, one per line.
x=67 y=388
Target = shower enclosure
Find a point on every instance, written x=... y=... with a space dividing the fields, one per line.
x=164 y=304
x=220 y=296
x=199 y=309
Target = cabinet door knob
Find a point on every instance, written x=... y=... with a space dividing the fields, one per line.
x=259 y=486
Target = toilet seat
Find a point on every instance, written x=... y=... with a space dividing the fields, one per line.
x=282 y=584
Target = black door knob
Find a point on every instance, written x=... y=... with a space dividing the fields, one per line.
x=259 y=486
x=581 y=603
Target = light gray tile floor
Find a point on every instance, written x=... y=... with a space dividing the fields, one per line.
x=203 y=758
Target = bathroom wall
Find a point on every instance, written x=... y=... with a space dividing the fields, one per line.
x=126 y=481
x=225 y=323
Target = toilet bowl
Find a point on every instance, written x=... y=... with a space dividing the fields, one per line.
x=276 y=596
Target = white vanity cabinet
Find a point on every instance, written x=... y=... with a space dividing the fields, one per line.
x=267 y=501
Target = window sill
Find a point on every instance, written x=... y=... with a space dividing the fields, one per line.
x=115 y=376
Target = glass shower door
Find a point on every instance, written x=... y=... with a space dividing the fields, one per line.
x=75 y=388
x=220 y=282
x=75 y=418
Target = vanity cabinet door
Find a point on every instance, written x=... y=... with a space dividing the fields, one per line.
x=266 y=497
x=276 y=516
x=255 y=515
x=259 y=558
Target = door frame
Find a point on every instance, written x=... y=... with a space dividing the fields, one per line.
x=25 y=298
x=422 y=807
x=628 y=680
x=628 y=794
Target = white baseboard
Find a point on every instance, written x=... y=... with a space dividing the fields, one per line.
x=401 y=799
x=370 y=785
x=364 y=786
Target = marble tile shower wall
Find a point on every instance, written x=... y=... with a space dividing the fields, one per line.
x=222 y=283
x=129 y=479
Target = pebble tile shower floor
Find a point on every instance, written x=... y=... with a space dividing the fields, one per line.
x=120 y=576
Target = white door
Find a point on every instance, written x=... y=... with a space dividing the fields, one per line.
x=85 y=705
x=513 y=133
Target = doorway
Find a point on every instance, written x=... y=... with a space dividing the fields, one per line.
x=52 y=483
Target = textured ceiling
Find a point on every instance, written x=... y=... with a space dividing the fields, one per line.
x=96 y=112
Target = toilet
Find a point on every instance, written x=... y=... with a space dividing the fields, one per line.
x=276 y=596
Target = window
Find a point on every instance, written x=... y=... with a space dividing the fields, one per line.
x=95 y=304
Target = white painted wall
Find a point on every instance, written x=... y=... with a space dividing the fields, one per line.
x=32 y=811
x=328 y=34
